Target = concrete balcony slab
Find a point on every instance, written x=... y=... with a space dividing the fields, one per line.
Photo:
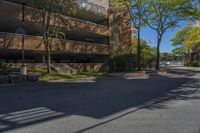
x=35 y=44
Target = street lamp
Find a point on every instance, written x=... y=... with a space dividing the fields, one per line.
x=23 y=69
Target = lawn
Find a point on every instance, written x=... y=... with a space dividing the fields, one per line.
x=64 y=75
x=189 y=68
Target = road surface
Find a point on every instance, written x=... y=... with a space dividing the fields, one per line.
x=127 y=103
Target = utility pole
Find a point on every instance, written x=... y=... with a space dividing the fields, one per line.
x=23 y=69
x=23 y=30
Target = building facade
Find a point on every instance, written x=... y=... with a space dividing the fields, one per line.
x=195 y=51
x=92 y=37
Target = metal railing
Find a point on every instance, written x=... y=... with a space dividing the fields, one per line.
x=92 y=7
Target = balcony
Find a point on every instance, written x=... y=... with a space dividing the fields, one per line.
x=89 y=10
x=88 y=26
x=11 y=21
x=92 y=6
x=34 y=44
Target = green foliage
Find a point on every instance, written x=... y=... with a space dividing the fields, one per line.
x=181 y=36
x=163 y=15
x=159 y=15
x=148 y=53
x=167 y=56
x=192 y=64
x=193 y=37
x=122 y=62
x=162 y=57
x=127 y=62
x=143 y=44
x=170 y=57
x=186 y=39
x=195 y=64
x=148 y=56
x=64 y=75
x=4 y=67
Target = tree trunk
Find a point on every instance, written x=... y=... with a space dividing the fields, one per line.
x=47 y=42
x=158 y=53
x=48 y=60
x=189 y=56
x=138 y=51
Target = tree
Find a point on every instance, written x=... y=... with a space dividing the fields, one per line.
x=137 y=10
x=143 y=44
x=193 y=37
x=185 y=39
x=163 y=15
x=50 y=14
x=170 y=56
x=179 y=42
x=148 y=56
x=179 y=53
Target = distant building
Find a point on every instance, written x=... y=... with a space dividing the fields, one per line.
x=195 y=51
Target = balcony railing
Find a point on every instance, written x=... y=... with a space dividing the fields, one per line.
x=92 y=7
x=34 y=43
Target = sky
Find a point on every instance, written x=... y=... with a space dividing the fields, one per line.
x=150 y=36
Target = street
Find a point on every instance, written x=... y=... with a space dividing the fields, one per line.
x=126 y=103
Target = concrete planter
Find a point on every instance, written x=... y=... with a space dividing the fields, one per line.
x=4 y=79
x=17 y=78
x=32 y=77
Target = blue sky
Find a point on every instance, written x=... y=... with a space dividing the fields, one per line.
x=150 y=36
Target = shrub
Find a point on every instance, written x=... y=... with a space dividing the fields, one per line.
x=192 y=64
x=4 y=67
x=187 y=63
x=195 y=64
x=122 y=62
x=148 y=57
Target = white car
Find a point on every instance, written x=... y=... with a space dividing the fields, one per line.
x=167 y=63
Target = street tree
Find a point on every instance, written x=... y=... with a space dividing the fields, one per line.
x=143 y=44
x=185 y=39
x=148 y=56
x=193 y=37
x=179 y=42
x=163 y=15
x=51 y=15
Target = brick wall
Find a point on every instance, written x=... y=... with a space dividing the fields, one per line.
x=120 y=31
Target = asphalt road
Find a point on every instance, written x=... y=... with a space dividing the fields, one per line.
x=126 y=103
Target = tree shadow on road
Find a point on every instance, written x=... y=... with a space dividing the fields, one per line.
x=29 y=104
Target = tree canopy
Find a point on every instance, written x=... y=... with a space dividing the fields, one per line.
x=163 y=15
x=187 y=37
x=159 y=15
x=185 y=40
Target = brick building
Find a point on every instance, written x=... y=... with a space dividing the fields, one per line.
x=96 y=32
